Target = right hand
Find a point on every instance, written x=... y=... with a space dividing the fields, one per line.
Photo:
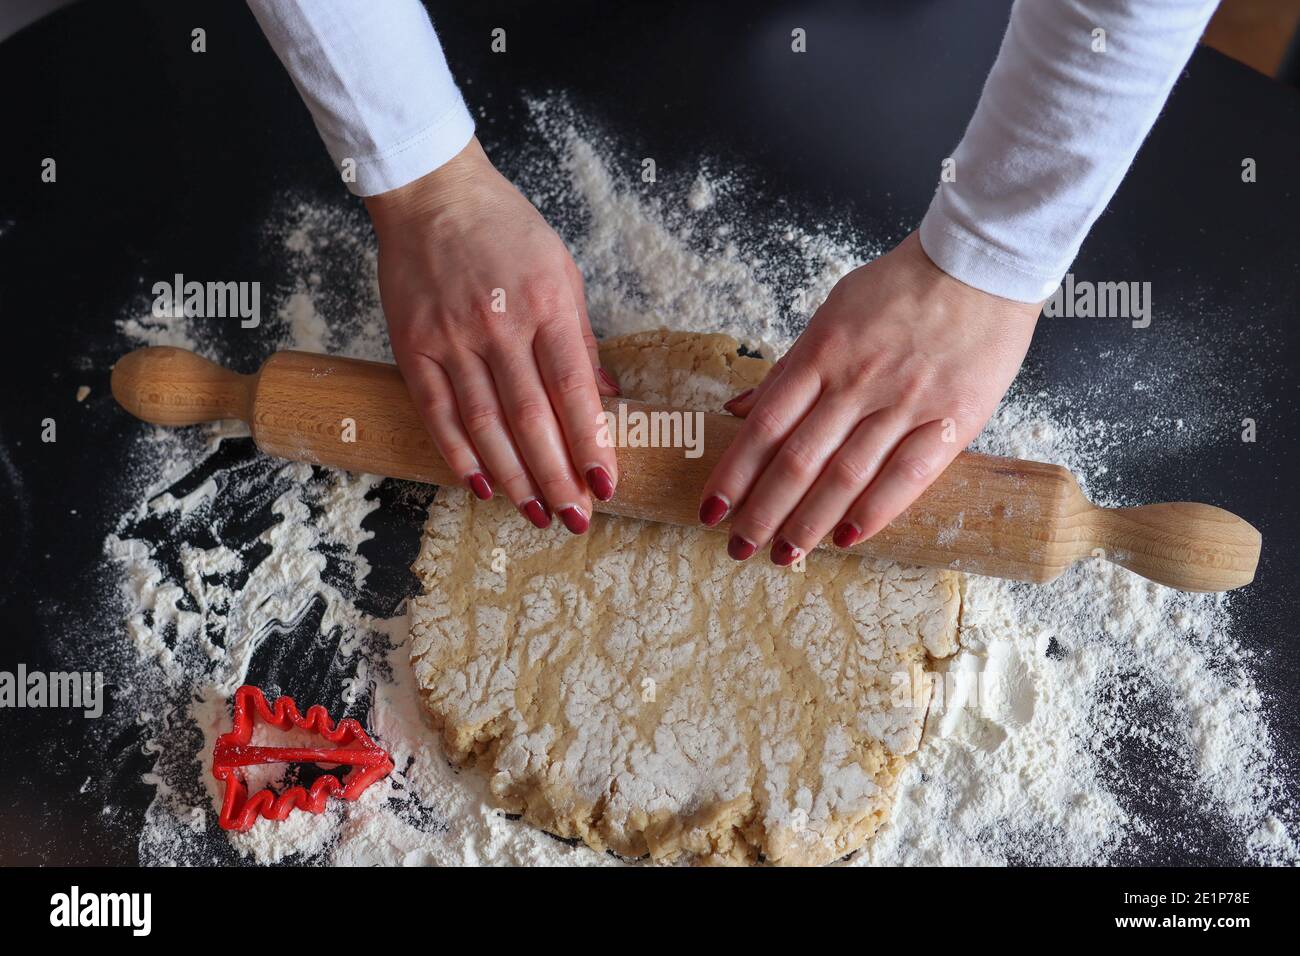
x=488 y=323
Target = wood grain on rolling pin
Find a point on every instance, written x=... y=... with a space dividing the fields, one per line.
x=985 y=515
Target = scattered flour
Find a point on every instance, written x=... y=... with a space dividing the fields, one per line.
x=701 y=196
x=1124 y=717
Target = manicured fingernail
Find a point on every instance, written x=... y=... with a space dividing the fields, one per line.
x=738 y=399
x=608 y=380
x=784 y=553
x=739 y=548
x=574 y=519
x=601 y=485
x=536 y=512
x=479 y=484
x=713 y=510
x=846 y=535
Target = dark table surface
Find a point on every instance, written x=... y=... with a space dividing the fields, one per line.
x=169 y=161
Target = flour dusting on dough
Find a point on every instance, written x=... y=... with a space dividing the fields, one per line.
x=637 y=689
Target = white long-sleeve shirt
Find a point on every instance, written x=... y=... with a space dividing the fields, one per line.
x=378 y=87
x=1060 y=119
x=1056 y=129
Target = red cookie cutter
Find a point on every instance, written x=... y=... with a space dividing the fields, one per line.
x=232 y=753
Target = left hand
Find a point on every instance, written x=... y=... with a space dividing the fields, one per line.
x=896 y=373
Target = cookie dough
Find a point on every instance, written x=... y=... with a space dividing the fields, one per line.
x=638 y=690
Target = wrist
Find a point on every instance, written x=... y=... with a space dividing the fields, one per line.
x=433 y=194
x=957 y=291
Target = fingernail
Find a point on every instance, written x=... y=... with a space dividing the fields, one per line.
x=738 y=399
x=574 y=519
x=479 y=484
x=536 y=512
x=608 y=380
x=739 y=548
x=713 y=510
x=601 y=485
x=784 y=553
x=846 y=535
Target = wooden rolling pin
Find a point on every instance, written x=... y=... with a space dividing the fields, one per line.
x=997 y=516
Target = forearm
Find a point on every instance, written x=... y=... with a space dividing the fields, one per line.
x=1056 y=128
x=375 y=79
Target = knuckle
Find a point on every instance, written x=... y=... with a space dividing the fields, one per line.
x=586 y=448
x=514 y=478
x=556 y=486
x=574 y=381
x=435 y=408
x=917 y=382
x=762 y=522
x=480 y=417
x=861 y=371
x=406 y=336
x=916 y=377
x=543 y=294
x=449 y=441
x=800 y=533
x=766 y=422
x=579 y=280
x=849 y=471
x=482 y=312
x=797 y=458
x=423 y=338
x=530 y=412
x=964 y=407
x=915 y=469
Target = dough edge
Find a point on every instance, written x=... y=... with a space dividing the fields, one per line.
x=719 y=832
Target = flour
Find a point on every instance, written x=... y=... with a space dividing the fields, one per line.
x=651 y=260
x=1125 y=718
x=702 y=195
x=639 y=690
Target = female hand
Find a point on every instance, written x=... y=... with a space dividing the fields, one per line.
x=896 y=373
x=488 y=322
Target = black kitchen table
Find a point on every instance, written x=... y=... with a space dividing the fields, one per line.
x=168 y=161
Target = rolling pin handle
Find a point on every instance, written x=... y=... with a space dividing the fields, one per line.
x=171 y=386
x=1185 y=545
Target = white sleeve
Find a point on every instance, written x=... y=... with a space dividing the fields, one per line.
x=374 y=77
x=1054 y=132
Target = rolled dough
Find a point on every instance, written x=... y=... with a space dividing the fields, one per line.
x=636 y=689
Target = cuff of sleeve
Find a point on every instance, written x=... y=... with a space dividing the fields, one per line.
x=971 y=260
x=414 y=157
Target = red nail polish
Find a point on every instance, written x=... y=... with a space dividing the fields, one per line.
x=846 y=535
x=479 y=484
x=574 y=519
x=738 y=399
x=609 y=380
x=739 y=548
x=713 y=510
x=536 y=512
x=601 y=485
x=784 y=553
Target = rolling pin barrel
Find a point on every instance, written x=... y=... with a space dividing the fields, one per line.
x=985 y=515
